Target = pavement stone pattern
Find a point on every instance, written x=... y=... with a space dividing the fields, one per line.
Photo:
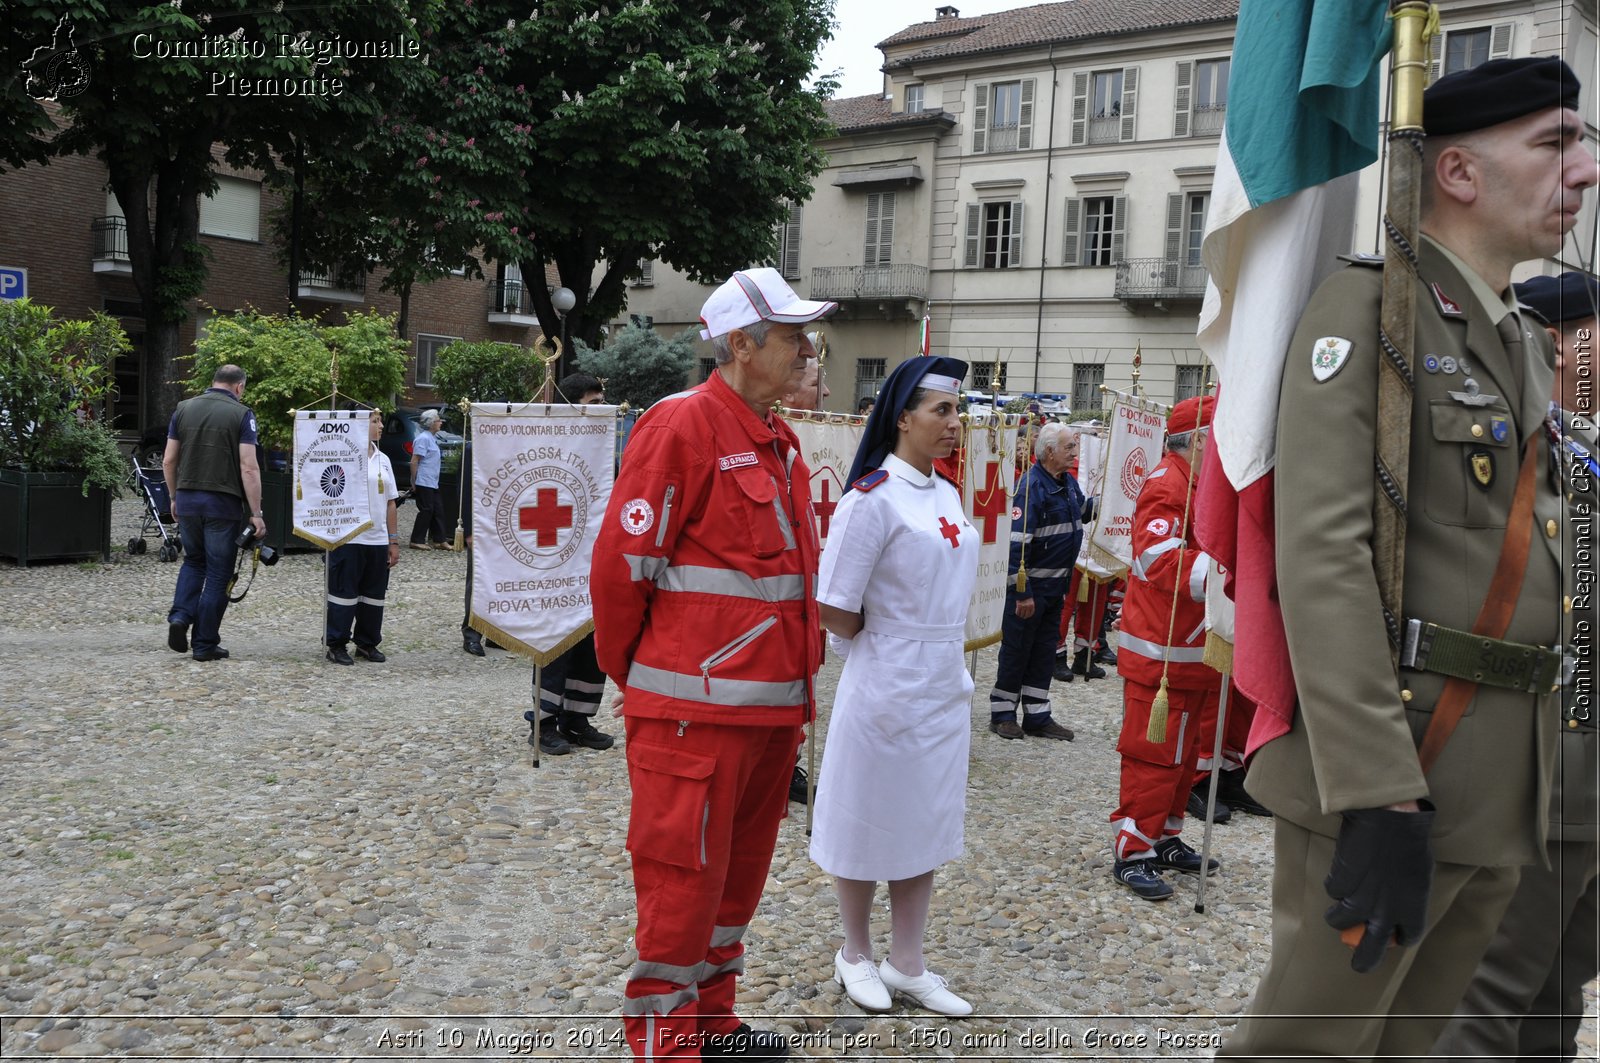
x=277 y=856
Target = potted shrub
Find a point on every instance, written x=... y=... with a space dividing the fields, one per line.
x=59 y=462
x=290 y=363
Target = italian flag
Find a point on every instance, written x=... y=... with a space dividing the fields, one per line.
x=1302 y=120
x=925 y=339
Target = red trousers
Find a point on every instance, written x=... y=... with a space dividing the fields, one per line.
x=1156 y=778
x=1235 y=731
x=1084 y=618
x=707 y=800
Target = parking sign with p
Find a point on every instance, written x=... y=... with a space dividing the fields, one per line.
x=13 y=282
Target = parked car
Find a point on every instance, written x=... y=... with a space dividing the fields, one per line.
x=400 y=428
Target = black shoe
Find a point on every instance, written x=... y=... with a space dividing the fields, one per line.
x=1106 y=655
x=1176 y=853
x=1231 y=786
x=1081 y=665
x=178 y=638
x=1048 y=730
x=745 y=1043
x=1143 y=878
x=1063 y=670
x=371 y=653
x=550 y=741
x=577 y=730
x=218 y=654
x=797 y=785
x=1008 y=729
x=1196 y=805
x=339 y=655
x=472 y=642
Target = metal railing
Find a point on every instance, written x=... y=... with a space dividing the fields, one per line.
x=1001 y=138
x=1105 y=130
x=509 y=297
x=341 y=280
x=1207 y=121
x=1157 y=278
x=110 y=239
x=869 y=282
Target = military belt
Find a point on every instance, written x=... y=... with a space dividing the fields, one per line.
x=1491 y=662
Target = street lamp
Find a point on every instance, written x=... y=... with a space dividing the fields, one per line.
x=563 y=300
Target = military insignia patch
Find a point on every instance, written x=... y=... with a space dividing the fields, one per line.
x=1447 y=306
x=1447 y=365
x=1328 y=356
x=1431 y=363
x=1482 y=463
x=1499 y=427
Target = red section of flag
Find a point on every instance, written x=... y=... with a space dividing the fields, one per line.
x=1236 y=528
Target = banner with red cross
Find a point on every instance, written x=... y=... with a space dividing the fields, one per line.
x=828 y=443
x=1134 y=441
x=541 y=478
x=331 y=504
x=988 y=476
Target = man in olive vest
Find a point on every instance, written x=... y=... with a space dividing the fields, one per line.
x=1423 y=861
x=210 y=465
x=1527 y=998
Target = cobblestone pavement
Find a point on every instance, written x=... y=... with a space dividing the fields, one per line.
x=275 y=856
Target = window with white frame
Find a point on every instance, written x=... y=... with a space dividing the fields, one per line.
x=1195 y=226
x=1095 y=231
x=1103 y=105
x=1455 y=50
x=1190 y=380
x=870 y=373
x=788 y=262
x=1086 y=381
x=994 y=235
x=1202 y=97
x=1002 y=116
x=913 y=99
x=428 y=348
x=647 y=273
x=1186 y=229
x=233 y=210
x=879 y=249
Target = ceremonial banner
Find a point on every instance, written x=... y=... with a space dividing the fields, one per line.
x=541 y=477
x=330 y=476
x=828 y=446
x=1091 y=459
x=1133 y=448
x=988 y=473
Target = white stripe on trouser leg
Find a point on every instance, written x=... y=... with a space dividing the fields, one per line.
x=333 y=600
x=1128 y=829
x=379 y=602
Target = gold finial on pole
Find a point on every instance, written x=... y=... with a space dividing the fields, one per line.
x=1138 y=362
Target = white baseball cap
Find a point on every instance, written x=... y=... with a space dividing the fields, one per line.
x=752 y=295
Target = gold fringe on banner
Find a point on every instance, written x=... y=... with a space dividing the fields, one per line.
x=1218 y=653
x=327 y=544
x=522 y=649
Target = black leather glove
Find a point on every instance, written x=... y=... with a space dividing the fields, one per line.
x=1381 y=874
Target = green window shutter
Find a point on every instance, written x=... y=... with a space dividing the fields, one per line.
x=974 y=235
x=1500 y=40
x=791 y=244
x=1174 y=229
x=980 y=117
x=869 y=254
x=1130 y=99
x=1025 y=117
x=1080 y=108
x=885 y=228
x=1182 y=102
x=1119 y=225
x=1015 y=258
x=1072 y=234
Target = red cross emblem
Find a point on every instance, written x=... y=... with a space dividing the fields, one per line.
x=989 y=503
x=824 y=507
x=545 y=518
x=951 y=532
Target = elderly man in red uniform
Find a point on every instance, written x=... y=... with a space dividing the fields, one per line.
x=706 y=618
x=1163 y=638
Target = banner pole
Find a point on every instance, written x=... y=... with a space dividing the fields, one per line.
x=1211 y=797
x=538 y=703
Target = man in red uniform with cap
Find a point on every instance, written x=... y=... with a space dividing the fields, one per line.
x=1162 y=641
x=705 y=612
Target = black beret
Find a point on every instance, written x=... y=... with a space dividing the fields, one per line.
x=1497 y=91
x=1572 y=296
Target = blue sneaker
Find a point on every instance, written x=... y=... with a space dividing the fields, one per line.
x=1175 y=853
x=1143 y=878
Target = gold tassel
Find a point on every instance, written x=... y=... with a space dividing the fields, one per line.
x=1022 y=578
x=380 y=483
x=299 y=489
x=461 y=539
x=1083 y=587
x=1157 y=732
x=1218 y=653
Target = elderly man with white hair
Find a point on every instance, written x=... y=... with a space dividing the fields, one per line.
x=1047 y=518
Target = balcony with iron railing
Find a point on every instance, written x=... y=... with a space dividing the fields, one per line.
x=344 y=285
x=1153 y=281
x=1105 y=129
x=893 y=282
x=510 y=303
x=111 y=245
x=1001 y=138
x=1207 y=121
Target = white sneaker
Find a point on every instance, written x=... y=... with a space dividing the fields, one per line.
x=927 y=989
x=861 y=982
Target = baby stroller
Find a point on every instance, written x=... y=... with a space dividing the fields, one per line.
x=152 y=485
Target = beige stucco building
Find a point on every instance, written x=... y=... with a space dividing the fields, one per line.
x=1036 y=181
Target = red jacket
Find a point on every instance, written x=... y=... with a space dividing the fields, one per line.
x=1160 y=537
x=704 y=572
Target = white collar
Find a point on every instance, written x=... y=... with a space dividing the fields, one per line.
x=906 y=471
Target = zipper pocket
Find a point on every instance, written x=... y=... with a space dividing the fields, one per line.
x=781 y=515
x=733 y=649
x=705 y=828
x=666 y=514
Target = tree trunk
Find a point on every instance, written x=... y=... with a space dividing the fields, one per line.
x=402 y=323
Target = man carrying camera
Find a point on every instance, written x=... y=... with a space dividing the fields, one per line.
x=210 y=463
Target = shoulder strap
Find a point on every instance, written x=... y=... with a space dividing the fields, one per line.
x=1495 y=615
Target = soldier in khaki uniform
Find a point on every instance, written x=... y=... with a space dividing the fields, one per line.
x=1527 y=997
x=1503 y=179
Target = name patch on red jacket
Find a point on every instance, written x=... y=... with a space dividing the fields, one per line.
x=737 y=461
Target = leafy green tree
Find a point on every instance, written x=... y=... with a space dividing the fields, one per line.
x=155 y=119
x=639 y=366
x=54 y=376
x=594 y=136
x=480 y=372
x=289 y=362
